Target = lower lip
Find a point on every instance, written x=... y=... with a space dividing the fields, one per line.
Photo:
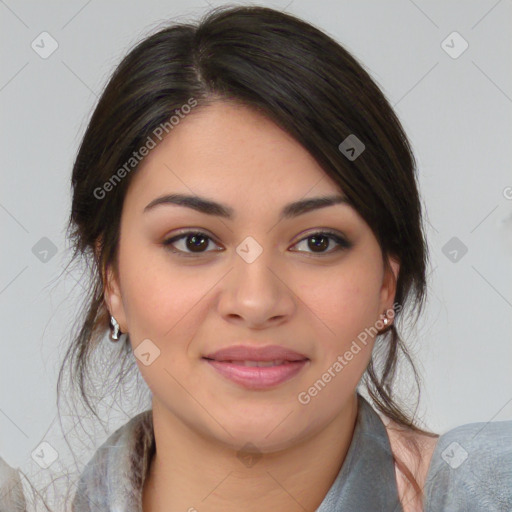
x=258 y=377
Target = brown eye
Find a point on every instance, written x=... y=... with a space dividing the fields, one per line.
x=320 y=241
x=191 y=242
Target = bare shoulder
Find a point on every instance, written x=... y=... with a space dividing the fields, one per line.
x=415 y=451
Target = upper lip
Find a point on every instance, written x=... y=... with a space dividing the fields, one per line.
x=252 y=353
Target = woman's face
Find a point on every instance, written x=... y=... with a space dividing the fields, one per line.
x=255 y=278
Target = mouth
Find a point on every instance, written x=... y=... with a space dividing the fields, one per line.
x=259 y=364
x=257 y=375
x=256 y=354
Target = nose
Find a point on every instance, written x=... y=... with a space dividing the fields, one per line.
x=257 y=294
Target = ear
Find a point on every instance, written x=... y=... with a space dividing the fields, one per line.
x=388 y=289
x=112 y=291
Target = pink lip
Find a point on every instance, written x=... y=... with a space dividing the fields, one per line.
x=252 y=353
x=227 y=362
x=258 y=377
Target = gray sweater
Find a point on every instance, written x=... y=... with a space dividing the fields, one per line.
x=470 y=470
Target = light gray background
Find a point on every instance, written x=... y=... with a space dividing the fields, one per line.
x=457 y=113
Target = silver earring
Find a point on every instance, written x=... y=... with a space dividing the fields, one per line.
x=385 y=320
x=114 y=329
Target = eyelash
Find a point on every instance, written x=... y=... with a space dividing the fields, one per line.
x=342 y=243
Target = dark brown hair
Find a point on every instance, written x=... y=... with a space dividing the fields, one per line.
x=306 y=83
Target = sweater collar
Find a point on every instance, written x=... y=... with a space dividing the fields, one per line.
x=366 y=480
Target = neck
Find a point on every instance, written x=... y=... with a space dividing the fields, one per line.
x=190 y=472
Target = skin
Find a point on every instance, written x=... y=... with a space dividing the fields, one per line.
x=400 y=440
x=313 y=302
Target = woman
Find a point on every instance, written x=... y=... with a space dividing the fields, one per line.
x=249 y=200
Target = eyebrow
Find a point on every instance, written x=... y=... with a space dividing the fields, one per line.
x=209 y=207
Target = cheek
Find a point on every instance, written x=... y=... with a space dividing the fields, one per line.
x=345 y=300
x=344 y=304
x=159 y=295
x=164 y=303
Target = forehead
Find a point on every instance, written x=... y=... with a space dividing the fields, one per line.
x=228 y=150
